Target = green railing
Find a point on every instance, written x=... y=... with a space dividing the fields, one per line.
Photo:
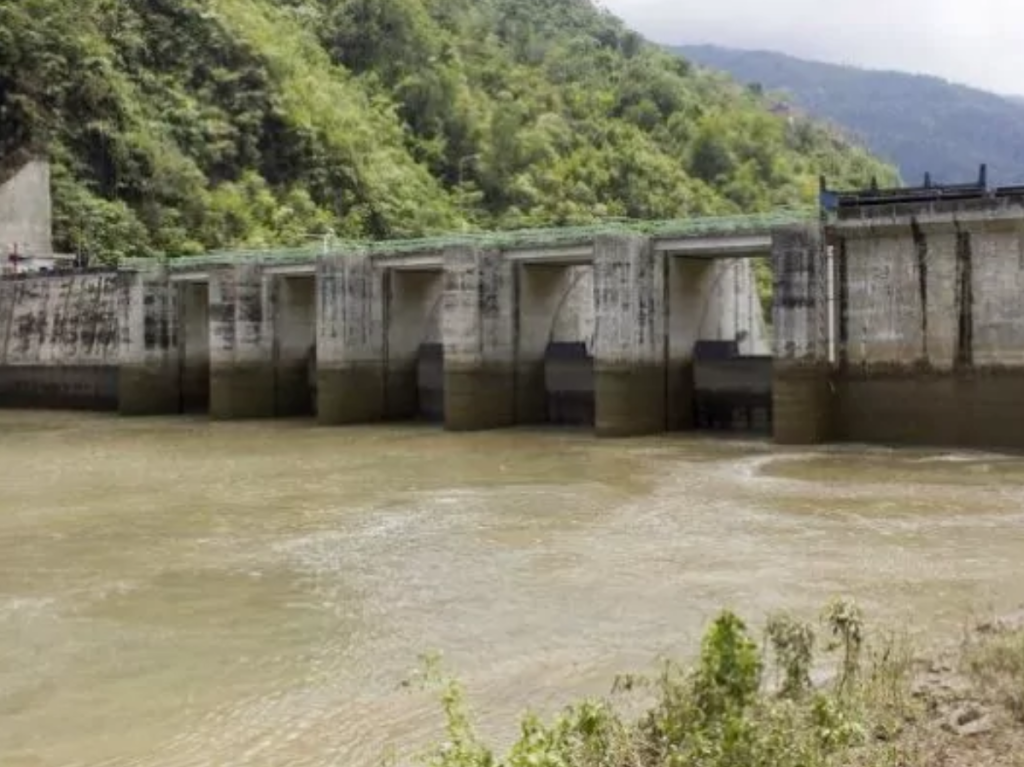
x=521 y=238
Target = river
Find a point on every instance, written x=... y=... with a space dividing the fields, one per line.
x=175 y=593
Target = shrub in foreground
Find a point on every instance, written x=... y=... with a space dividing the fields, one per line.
x=744 y=704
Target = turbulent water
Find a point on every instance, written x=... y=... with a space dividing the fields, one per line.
x=180 y=594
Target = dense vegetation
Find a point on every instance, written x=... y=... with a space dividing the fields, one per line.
x=746 y=704
x=181 y=125
x=922 y=124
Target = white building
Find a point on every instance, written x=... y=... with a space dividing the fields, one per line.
x=26 y=243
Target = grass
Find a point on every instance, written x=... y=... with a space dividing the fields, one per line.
x=995 y=664
x=749 y=701
x=745 y=703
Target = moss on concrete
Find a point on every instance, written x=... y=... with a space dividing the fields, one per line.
x=351 y=395
x=149 y=390
x=479 y=398
x=629 y=400
x=975 y=408
x=52 y=387
x=402 y=392
x=681 y=397
x=242 y=391
x=195 y=387
x=531 y=394
x=293 y=395
x=802 y=404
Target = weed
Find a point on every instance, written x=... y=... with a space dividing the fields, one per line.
x=792 y=644
x=996 y=664
x=720 y=714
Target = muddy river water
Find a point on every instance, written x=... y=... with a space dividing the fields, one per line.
x=175 y=593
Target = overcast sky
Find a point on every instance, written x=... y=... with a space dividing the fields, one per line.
x=977 y=42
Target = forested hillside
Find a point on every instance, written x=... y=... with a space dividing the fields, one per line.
x=176 y=126
x=922 y=124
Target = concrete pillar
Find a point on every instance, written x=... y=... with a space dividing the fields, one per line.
x=294 y=301
x=149 y=375
x=241 y=344
x=630 y=337
x=801 y=389
x=350 y=340
x=413 y=311
x=194 y=345
x=478 y=330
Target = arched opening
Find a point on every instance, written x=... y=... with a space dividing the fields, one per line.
x=294 y=345
x=720 y=364
x=555 y=364
x=194 y=346
x=414 y=349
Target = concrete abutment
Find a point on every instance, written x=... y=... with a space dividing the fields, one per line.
x=149 y=376
x=803 y=397
x=242 y=375
x=350 y=339
x=802 y=392
x=630 y=344
x=479 y=346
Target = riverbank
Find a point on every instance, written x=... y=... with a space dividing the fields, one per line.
x=751 y=703
x=971 y=699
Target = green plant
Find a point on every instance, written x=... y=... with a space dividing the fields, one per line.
x=461 y=747
x=717 y=714
x=846 y=625
x=729 y=674
x=792 y=644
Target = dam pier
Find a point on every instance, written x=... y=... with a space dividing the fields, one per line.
x=897 y=317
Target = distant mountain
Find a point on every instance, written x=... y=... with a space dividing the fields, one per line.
x=920 y=123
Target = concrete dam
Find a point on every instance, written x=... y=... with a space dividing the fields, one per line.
x=897 y=318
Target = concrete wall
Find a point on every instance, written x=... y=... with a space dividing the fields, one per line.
x=59 y=341
x=802 y=397
x=25 y=217
x=478 y=327
x=242 y=374
x=149 y=380
x=474 y=336
x=350 y=340
x=630 y=340
x=931 y=337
